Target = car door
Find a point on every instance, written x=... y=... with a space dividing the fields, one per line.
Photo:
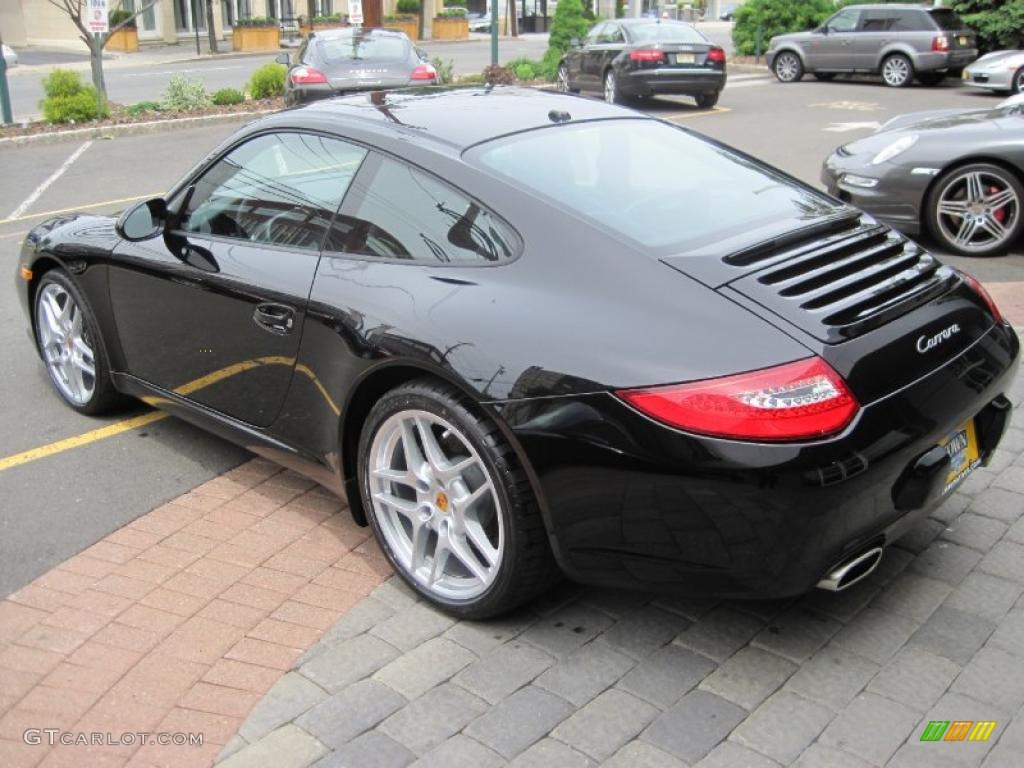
x=213 y=311
x=833 y=50
x=612 y=43
x=590 y=59
x=874 y=33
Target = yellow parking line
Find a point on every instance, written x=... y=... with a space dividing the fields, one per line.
x=79 y=440
x=80 y=207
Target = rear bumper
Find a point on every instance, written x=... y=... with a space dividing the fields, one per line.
x=630 y=503
x=671 y=82
x=937 y=62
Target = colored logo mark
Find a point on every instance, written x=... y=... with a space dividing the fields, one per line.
x=958 y=730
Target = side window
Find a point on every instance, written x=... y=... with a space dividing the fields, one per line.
x=877 y=21
x=912 y=21
x=612 y=34
x=594 y=35
x=844 y=21
x=402 y=213
x=277 y=189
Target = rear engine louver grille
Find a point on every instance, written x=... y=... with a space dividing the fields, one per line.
x=844 y=283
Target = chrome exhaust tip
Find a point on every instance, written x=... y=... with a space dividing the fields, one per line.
x=850 y=572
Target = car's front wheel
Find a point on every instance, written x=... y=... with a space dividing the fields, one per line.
x=975 y=210
x=787 y=67
x=897 y=71
x=450 y=504
x=707 y=100
x=69 y=343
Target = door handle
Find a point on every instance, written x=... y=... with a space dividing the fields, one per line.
x=276 y=318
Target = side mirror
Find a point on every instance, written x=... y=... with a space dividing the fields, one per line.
x=283 y=58
x=143 y=220
x=823 y=29
x=574 y=42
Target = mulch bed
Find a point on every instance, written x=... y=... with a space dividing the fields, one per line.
x=119 y=116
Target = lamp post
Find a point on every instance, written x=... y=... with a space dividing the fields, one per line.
x=5 y=94
x=494 y=31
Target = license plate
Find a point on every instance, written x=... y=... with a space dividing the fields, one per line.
x=962 y=447
x=963 y=40
x=685 y=58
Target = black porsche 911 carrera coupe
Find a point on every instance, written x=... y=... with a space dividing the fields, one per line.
x=524 y=332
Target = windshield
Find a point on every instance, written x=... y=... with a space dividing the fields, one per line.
x=656 y=184
x=946 y=18
x=360 y=47
x=665 y=33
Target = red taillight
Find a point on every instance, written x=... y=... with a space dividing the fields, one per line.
x=716 y=55
x=307 y=76
x=940 y=43
x=647 y=54
x=802 y=400
x=424 y=72
x=979 y=289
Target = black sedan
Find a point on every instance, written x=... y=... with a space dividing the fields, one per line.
x=956 y=174
x=640 y=58
x=354 y=59
x=514 y=330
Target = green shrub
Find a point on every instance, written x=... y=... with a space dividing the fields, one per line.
x=568 y=23
x=776 y=17
x=452 y=13
x=407 y=7
x=116 y=17
x=267 y=82
x=68 y=99
x=143 y=106
x=256 y=21
x=445 y=70
x=227 y=96
x=334 y=18
x=183 y=94
x=999 y=23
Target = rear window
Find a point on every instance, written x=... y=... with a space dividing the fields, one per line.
x=653 y=183
x=360 y=48
x=665 y=33
x=947 y=18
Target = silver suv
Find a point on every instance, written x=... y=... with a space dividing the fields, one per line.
x=899 y=41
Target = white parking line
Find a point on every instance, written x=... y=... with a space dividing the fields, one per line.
x=735 y=78
x=46 y=184
x=747 y=83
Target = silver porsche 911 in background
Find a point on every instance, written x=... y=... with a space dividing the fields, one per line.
x=955 y=174
x=997 y=71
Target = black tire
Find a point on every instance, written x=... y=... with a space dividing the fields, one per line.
x=104 y=397
x=825 y=77
x=947 y=181
x=931 y=78
x=1017 y=86
x=788 y=67
x=707 y=100
x=897 y=71
x=527 y=565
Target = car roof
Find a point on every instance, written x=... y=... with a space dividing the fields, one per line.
x=893 y=7
x=328 y=34
x=452 y=117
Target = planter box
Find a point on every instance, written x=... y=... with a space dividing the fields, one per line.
x=448 y=28
x=255 y=38
x=126 y=39
x=410 y=26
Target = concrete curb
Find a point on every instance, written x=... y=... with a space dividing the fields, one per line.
x=752 y=68
x=129 y=129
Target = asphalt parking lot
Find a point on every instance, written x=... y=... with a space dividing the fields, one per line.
x=66 y=481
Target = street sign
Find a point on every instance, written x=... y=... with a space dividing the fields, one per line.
x=355 y=12
x=96 y=16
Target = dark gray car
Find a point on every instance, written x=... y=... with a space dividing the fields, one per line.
x=352 y=59
x=956 y=174
x=900 y=42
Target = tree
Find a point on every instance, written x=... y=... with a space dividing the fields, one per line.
x=999 y=23
x=568 y=23
x=75 y=10
x=775 y=17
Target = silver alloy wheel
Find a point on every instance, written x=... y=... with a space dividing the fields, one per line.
x=1018 y=81
x=609 y=87
x=896 y=71
x=65 y=343
x=977 y=211
x=563 y=79
x=435 y=503
x=786 y=67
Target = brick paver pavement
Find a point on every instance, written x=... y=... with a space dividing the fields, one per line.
x=589 y=676
x=180 y=621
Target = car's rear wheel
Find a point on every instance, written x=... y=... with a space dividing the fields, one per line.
x=787 y=67
x=975 y=210
x=707 y=100
x=562 y=81
x=1018 y=81
x=931 y=78
x=69 y=342
x=825 y=77
x=450 y=504
x=611 y=88
x=897 y=71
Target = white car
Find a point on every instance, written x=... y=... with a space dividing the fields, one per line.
x=10 y=56
x=997 y=71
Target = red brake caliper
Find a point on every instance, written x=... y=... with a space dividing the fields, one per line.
x=1000 y=213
